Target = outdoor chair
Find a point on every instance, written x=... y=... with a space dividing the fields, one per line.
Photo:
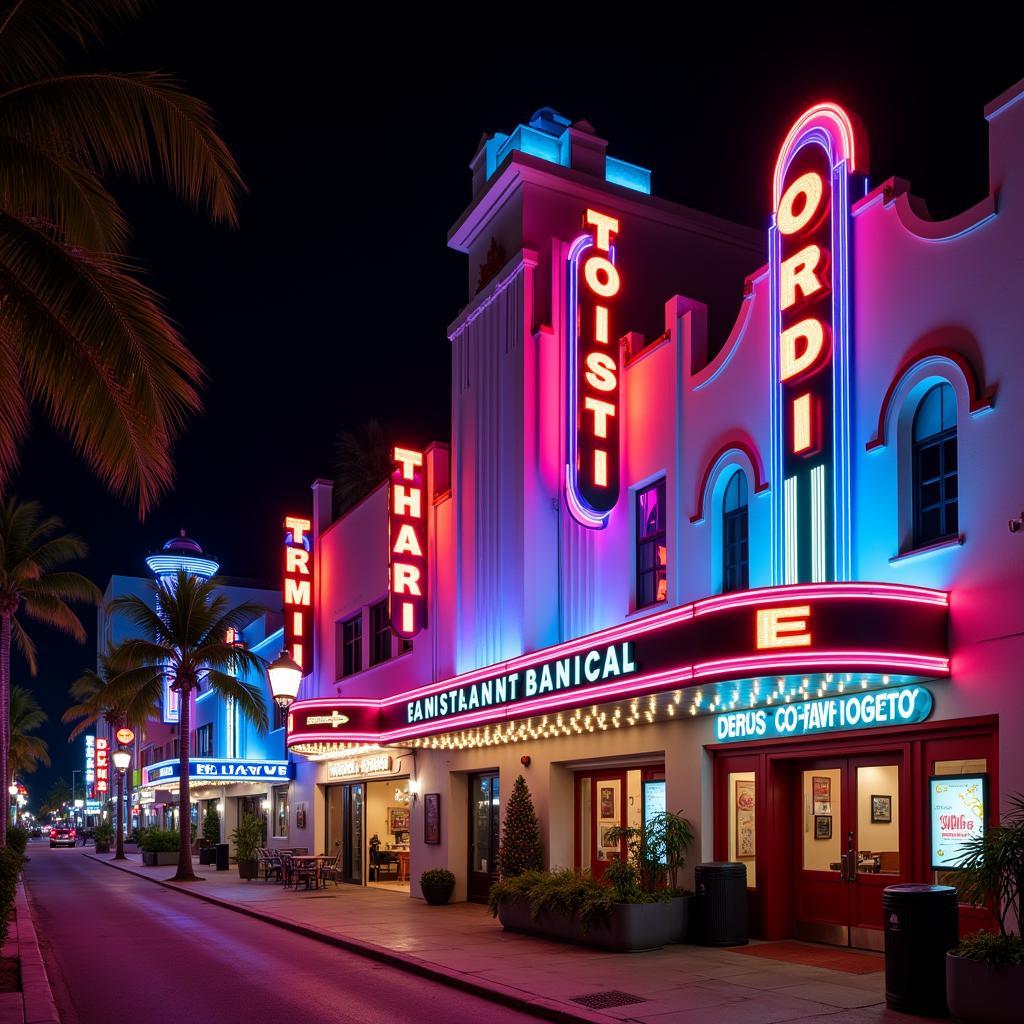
x=269 y=861
x=286 y=869
x=333 y=869
x=304 y=871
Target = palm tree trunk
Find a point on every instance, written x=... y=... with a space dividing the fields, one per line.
x=119 y=849
x=5 y=718
x=185 y=872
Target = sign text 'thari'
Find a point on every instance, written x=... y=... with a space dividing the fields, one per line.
x=592 y=470
x=298 y=590
x=407 y=543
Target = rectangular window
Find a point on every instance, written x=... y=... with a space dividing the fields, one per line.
x=380 y=633
x=349 y=640
x=159 y=755
x=280 y=818
x=204 y=740
x=651 y=546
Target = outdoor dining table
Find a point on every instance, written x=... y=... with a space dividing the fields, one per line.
x=315 y=858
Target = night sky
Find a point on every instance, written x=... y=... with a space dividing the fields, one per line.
x=328 y=305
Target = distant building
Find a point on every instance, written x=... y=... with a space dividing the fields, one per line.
x=233 y=767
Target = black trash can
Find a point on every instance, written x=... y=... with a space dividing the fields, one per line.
x=721 y=904
x=223 y=856
x=921 y=926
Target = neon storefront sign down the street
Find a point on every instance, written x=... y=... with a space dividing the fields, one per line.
x=298 y=591
x=217 y=769
x=407 y=543
x=809 y=628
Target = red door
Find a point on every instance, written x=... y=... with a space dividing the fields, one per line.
x=600 y=806
x=847 y=848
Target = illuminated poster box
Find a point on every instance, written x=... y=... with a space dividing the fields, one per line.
x=957 y=805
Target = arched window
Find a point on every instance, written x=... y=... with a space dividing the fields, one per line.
x=935 y=467
x=735 y=554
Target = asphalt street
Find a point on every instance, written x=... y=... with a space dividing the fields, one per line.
x=119 y=948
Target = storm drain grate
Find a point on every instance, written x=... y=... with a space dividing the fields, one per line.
x=606 y=1000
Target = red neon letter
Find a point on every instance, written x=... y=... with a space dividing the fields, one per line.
x=791 y=362
x=409 y=460
x=406 y=543
x=601 y=265
x=783 y=627
x=799 y=272
x=406 y=580
x=407 y=501
x=601 y=371
x=810 y=188
x=298 y=527
x=601 y=411
x=803 y=434
x=296 y=560
x=606 y=227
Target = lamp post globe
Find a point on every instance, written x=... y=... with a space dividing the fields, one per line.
x=285 y=676
x=122 y=758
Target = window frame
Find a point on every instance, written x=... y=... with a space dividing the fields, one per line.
x=351 y=660
x=276 y=799
x=642 y=541
x=207 y=732
x=382 y=646
x=739 y=518
x=919 y=447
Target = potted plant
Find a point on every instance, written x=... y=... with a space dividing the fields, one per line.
x=247 y=839
x=211 y=835
x=985 y=973
x=103 y=835
x=159 y=846
x=437 y=886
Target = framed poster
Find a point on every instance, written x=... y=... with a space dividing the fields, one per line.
x=432 y=818
x=746 y=846
x=607 y=844
x=957 y=807
x=823 y=826
x=607 y=808
x=398 y=819
x=300 y=815
x=881 y=810
x=822 y=794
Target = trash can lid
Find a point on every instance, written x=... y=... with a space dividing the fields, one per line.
x=722 y=867
x=920 y=888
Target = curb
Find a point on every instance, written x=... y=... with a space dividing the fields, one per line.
x=39 y=1006
x=513 y=998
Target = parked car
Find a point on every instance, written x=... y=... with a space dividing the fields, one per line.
x=62 y=835
x=35 y=832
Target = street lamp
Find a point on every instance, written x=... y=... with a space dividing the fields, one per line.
x=285 y=677
x=121 y=758
x=12 y=789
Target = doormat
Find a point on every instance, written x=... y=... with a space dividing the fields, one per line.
x=792 y=952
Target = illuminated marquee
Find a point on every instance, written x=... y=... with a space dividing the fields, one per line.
x=592 y=469
x=90 y=764
x=809 y=257
x=217 y=769
x=298 y=590
x=102 y=765
x=870 y=628
x=407 y=543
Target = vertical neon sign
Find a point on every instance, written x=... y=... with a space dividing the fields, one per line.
x=809 y=257
x=592 y=370
x=298 y=590
x=407 y=543
x=102 y=766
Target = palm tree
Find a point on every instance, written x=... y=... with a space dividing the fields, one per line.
x=93 y=693
x=81 y=336
x=26 y=752
x=184 y=639
x=362 y=460
x=32 y=549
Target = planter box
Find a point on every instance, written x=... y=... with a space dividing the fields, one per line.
x=438 y=895
x=103 y=847
x=159 y=859
x=979 y=994
x=633 y=926
x=248 y=869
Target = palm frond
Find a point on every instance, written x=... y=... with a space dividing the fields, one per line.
x=140 y=615
x=54 y=612
x=47 y=186
x=97 y=351
x=34 y=33
x=25 y=644
x=14 y=409
x=56 y=551
x=141 y=124
x=247 y=696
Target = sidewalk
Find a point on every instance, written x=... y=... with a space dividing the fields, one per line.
x=462 y=945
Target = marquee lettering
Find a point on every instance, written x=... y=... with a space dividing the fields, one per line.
x=298 y=590
x=407 y=532
x=592 y=472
